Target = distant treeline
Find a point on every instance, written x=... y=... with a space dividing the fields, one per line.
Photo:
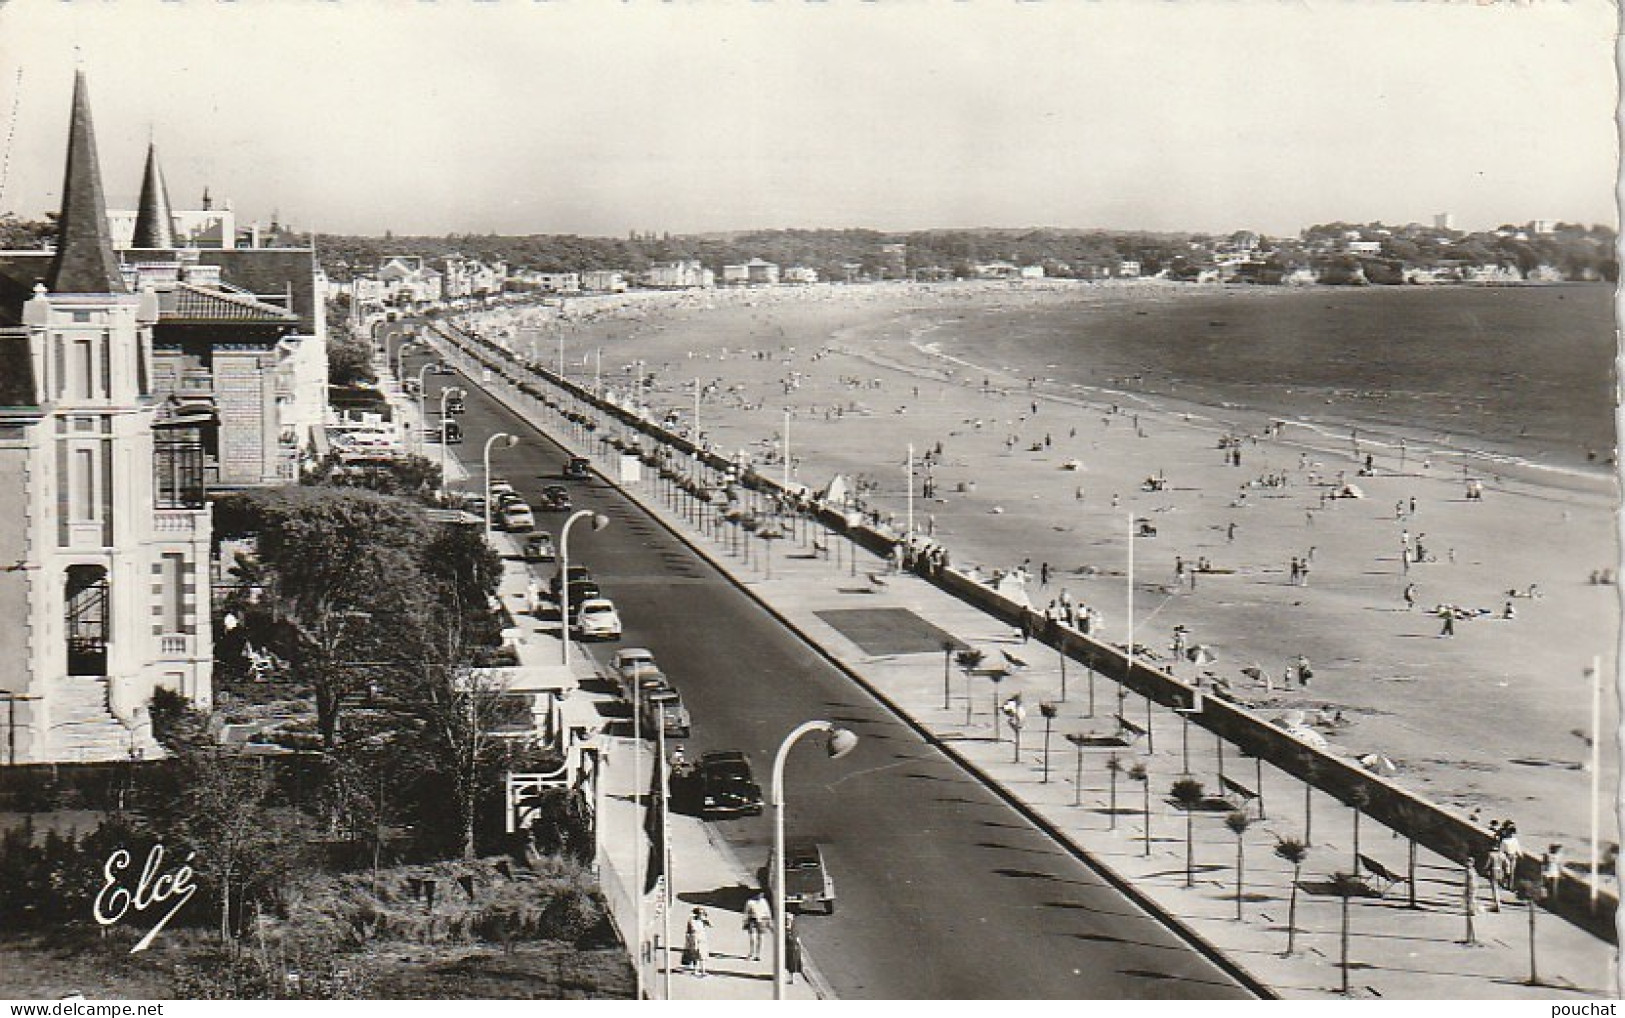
x=1573 y=251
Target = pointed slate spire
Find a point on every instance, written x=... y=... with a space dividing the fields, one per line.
x=154 y=222
x=84 y=261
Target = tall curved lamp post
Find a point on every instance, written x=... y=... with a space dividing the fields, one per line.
x=508 y=442
x=423 y=412
x=400 y=352
x=599 y=522
x=839 y=743
x=446 y=393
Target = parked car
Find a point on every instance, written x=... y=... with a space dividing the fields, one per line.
x=664 y=707
x=516 y=517
x=577 y=468
x=806 y=879
x=538 y=547
x=577 y=572
x=438 y=368
x=582 y=591
x=726 y=787
x=630 y=662
x=646 y=684
x=452 y=432
x=454 y=404
x=555 y=499
x=499 y=486
x=597 y=619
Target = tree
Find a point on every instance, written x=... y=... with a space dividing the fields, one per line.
x=1295 y=852
x=1114 y=767
x=1140 y=774
x=1345 y=886
x=1189 y=795
x=1533 y=892
x=1359 y=799
x=349 y=361
x=246 y=845
x=336 y=572
x=1238 y=822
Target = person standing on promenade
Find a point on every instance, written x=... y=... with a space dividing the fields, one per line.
x=758 y=921
x=697 y=943
x=792 y=950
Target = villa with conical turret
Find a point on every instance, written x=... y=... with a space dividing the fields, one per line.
x=104 y=560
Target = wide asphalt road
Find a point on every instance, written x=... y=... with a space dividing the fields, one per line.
x=944 y=891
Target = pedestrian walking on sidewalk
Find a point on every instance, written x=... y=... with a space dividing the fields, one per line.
x=792 y=950
x=697 y=943
x=758 y=922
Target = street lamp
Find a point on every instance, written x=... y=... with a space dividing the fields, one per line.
x=445 y=394
x=599 y=522
x=423 y=413
x=400 y=352
x=509 y=441
x=838 y=744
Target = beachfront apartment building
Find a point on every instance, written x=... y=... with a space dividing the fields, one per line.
x=687 y=274
x=603 y=281
x=105 y=594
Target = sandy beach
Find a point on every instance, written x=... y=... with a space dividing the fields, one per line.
x=1493 y=720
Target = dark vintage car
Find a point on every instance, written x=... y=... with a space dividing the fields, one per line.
x=555 y=499
x=806 y=879
x=538 y=547
x=726 y=787
x=577 y=468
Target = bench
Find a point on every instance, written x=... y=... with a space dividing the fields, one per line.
x=1232 y=787
x=1380 y=873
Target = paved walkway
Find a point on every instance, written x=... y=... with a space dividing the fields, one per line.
x=705 y=872
x=1395 y=950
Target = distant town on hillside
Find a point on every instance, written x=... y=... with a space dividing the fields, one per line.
x=1329 y=253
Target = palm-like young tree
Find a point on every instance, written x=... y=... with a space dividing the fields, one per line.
x=1345 y=886
x=1295 y=852
x=1188 y=793
x=1359 y=799
x=1238 y=822
x=1114 y=767
x=1140 y=774
x=1532 y=892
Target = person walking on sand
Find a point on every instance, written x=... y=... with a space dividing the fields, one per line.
x=1449 y=622
x=1410 y=596
x=1305 y=673
x=1230 y=532
x=758 y=921
x=697 y=943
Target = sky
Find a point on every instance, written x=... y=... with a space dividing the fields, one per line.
x=601 y=117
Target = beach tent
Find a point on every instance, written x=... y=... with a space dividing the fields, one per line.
x=1011 y=586
x=835 y=490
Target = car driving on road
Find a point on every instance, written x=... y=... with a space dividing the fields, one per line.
x=806 y=879
x=726 y=786
x=516 y=517
x=664 y=707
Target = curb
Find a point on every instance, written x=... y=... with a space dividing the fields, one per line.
x=1223 y=962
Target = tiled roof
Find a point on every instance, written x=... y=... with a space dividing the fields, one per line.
x=273 y=270
x=84 y=261
x=17 y=387
x=19 y=271
x=189 y=303
x=154 y=222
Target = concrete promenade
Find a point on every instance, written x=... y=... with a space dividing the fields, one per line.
x=1395 y=950
x=704 y=871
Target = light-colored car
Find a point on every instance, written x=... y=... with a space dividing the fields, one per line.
x=806 y=879
x=665 y=708
x=597 y=619
x=539 y=547
x=516 y=516
x=630 y=662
